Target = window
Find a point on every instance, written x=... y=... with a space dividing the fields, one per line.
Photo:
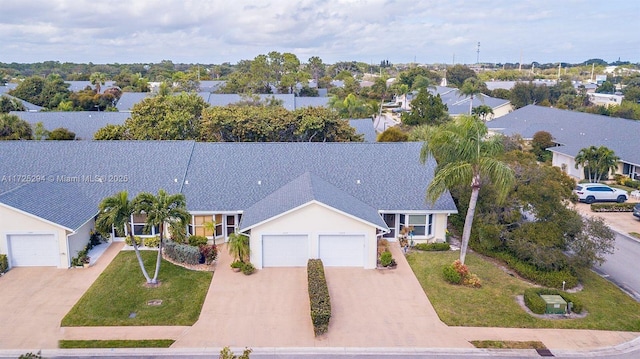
x=231 y=224
x=422 y=224
x=138 y=224
x=390 y=220
x=198 y=227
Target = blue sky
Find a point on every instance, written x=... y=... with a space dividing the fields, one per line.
x=216 y=31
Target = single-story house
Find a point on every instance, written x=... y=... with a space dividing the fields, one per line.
x=573 y=131
x=294 y=201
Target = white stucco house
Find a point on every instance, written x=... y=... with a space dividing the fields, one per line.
x=294 y=201
x=573 y=131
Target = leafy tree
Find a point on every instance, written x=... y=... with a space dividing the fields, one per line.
x=29 y=89
x=592 y=244
x=316 y=68
x=129 y=82
x=416 y=77
x=606 y=87
x=457 y=74
x=187 y=82
x=10 y=104
x=426 y=109
x=393 y=134
x=13 y=127
x=597 y=162
x=159 y=210
x=483 y=112
x=39 y=132
x=465 y=155
x=351 y=106
x=61 y=134
x=115 y=212
x=526 y=93
x=632 y=94
x=111 y=132
x=540 y=142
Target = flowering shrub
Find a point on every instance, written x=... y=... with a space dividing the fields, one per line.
x=458 y=273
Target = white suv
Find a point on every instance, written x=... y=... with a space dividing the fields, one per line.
x=591 y=192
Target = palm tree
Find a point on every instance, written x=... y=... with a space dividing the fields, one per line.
x=238 y=246
x=597 y=162
x=471 y=87
x=483 y=112
x=161 y=209
x=466 y=156
x=97 y=79
x=116 y=211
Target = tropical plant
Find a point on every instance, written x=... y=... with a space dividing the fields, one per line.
x=97 y=79
x=116 y=211
x=238 y=246
x=160 y=209
x=597 y=162
x=471 y=88
x=465 y=155
x=483 y=112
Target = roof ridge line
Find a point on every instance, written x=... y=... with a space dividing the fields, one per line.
x=186 y=168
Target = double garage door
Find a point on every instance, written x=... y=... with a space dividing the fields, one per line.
x=345 y=250
x=29 y=250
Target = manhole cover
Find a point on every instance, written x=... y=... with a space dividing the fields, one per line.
x=132 y=315
x=155 y=302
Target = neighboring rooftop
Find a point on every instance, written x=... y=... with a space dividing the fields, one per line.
x=83 y=123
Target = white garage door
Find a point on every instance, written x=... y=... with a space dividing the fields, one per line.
x=285 y=250
x=30 y=250
x=342 y=250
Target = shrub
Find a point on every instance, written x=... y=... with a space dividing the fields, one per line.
x=4 y=263
x=461 y=268
x=95 y=238
x=198 y=241
x=472 y=280
x=209 y=252
x=152 y=242
x=529 y=271
x=386 y=258
x=226 y=353
x=451 y=275
x=318 y=296
x=612 y=207
x=537 y=305
x=432 y=246
x=139 y=240
x=237 y=264
x=182 y=253
x=247 y=268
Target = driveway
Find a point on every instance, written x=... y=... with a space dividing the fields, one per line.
x=35 y=299
x=621 y=222
x=370 y=308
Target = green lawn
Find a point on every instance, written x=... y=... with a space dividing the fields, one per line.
x=149 y=343
x=494 y=304
x=120 y=291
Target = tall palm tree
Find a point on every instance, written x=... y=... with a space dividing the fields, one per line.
x=597 y=162
x=116 y=211
x=98 y=79
x=466 y=156
x=161 y=209
x=471 y=87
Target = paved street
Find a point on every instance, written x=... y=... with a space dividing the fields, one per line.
x=622 y=267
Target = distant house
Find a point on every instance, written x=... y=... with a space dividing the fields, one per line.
x=606 y=100
x=27 y=105
x=83 y=123
x=573 y=131
x=294 y=201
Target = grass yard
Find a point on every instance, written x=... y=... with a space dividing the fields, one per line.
x=149 y=343
x=494 y=305
x=120 y=291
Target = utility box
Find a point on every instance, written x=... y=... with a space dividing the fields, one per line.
x=555 y=304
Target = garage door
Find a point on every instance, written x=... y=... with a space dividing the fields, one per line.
x=33 y=250
x=342 y=250
x=285 y=250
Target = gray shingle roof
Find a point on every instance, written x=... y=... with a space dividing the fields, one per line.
x=213 y=176
x=574 y=130
x=128 y=99
x=459 y=105
x=302 y=190
x=27 y=105
x=364 y=126
x=84 y=123
x=301 y=102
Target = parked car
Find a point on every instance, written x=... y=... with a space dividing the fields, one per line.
x=592 y=192
x=636 y=210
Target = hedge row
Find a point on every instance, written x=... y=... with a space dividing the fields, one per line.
x=433 y=246
x=612 y=207
x=4 y=263
x=181 y=253
x=528 y=271
x=534 y=301
x=319 y=296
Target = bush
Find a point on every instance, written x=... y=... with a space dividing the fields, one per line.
x=198 y=241
x=95 y=238
x=537 y=305
x=612 y=207
x=181 y=253
x=4 y=263
x=528 y=271
x=318 y=296
x=237 y=264
x=152 y=242
x=139 y=241
x=209 y=252
x=247 y=268
x=386 y=258
x=451 y=275
x=472 y=280
x=432 y=246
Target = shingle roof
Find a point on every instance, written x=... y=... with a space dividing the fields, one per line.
x=76 y=86
x=128 y=99
x=213 y=176
x=302 y=190
x=574 y=130
x=27 y=105
x=83 y=123
x=459 y=105
x=364 y=126
x=301 y=102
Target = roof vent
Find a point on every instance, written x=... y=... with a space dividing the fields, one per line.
x=175 y=180
x=186 y=182
x=259 y=182
x=357 y=181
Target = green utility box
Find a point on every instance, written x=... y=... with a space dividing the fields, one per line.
x=555 y=304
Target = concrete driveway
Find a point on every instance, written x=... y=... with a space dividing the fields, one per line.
x=370 y=308
x=33 y=301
